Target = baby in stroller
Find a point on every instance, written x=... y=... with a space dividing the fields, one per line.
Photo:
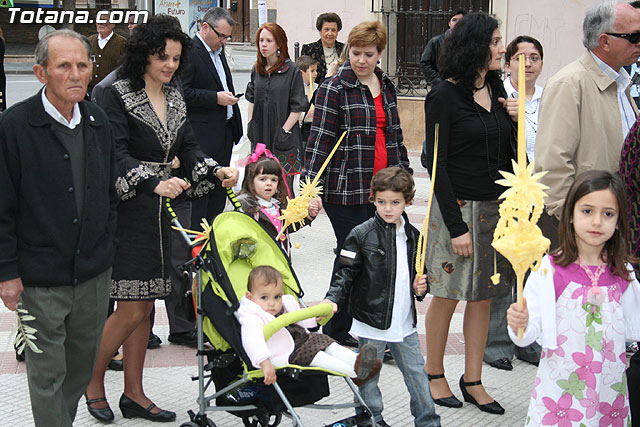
x=294 y=344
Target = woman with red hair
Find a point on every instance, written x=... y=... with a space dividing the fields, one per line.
x=276 y=99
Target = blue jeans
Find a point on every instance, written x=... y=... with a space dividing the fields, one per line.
x=408 y=357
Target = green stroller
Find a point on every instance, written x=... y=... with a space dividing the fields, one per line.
x=236 y=244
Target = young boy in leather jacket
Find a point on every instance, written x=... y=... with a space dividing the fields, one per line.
x=376 y=275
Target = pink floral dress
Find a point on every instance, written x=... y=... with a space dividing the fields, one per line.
x=582 y=382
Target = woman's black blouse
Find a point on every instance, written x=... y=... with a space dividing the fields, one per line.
x=473 y=145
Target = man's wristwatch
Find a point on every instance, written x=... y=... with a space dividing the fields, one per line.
x=288 y=132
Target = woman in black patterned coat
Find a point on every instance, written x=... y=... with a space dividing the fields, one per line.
x=152 y=137
x=327 y=49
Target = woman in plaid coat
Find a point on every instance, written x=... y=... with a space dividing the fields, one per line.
x=360 y=100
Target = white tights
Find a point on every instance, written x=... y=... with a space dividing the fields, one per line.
x=336 y=358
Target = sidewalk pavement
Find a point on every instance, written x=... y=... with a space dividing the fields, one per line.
x=168 y=369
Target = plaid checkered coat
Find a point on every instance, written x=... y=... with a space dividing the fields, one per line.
x=344 y=104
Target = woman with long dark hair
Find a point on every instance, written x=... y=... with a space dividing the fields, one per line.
x=151 y=132
x=474 y=144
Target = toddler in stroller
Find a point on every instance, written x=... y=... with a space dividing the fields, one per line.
x=237 y=244
x=294 y=344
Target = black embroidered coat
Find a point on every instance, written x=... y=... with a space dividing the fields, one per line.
x=144 y=150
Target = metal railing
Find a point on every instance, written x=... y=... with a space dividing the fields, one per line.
x=411 y=24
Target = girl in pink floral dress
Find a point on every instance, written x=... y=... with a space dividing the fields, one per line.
x=581 y=305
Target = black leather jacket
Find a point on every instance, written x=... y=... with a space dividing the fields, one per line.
x=367 y=271
x=429 y=59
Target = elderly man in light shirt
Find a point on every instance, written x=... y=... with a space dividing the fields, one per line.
x=586 y=109
x=57 y=224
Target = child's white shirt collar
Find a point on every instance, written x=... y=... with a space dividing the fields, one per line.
x=267 y=203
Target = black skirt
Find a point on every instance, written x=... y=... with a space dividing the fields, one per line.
x=142 y=262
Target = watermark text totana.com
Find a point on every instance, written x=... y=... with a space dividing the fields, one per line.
x=50 y=16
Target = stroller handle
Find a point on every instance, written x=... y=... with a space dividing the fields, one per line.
x=173 y=218
x=287 y=319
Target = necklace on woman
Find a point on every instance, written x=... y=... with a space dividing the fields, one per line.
x=476 y=89
x=595 y=296
x=330 y=54
x=493 y=176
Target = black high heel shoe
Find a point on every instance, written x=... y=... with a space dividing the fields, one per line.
x=101 y=414
x=491 y=407
x=131 y=409
x=450 y=401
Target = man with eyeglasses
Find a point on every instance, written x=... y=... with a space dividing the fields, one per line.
x=211 y=104
x=586 y=109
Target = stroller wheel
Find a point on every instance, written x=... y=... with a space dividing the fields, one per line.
x=262 y=421
x=210 y=423
x=276 y=421
x=250 y=422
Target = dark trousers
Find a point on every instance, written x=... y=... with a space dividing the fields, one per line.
x=633 y=382
x=69 y=321
x=305 y=131
x=549 y=226
x=499 y=344
x=213 y=203
x=179 y=282
x=343 y=219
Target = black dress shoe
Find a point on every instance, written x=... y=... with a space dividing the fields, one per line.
x=449 y=401
x=131 y=409
x=101 y=414
x=491 y=407
x=533 y=362
x=154 y=341
x=504 y=364
x=116 y=365
x=190 y=338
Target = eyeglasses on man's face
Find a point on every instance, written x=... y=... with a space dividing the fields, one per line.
x=222 y=37
x=633 y=38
